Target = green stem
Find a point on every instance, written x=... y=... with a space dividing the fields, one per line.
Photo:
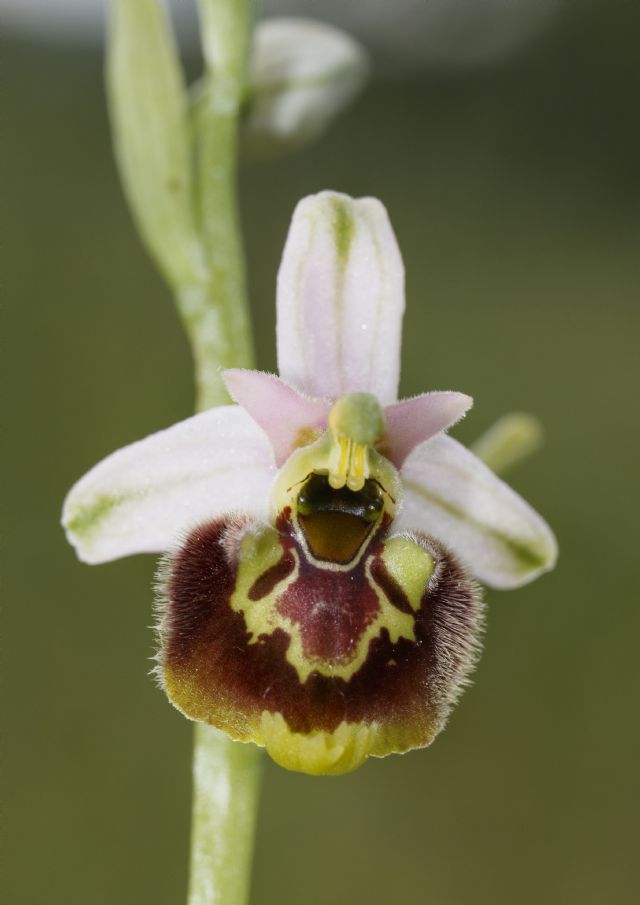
x=216 y=313
x=225 y=797
x=225 y=773
x=215 y=343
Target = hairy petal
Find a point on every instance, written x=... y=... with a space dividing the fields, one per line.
x=287 y=417
x=144 y=497
x=413 y=421
x=340 y=299
x=451 y=494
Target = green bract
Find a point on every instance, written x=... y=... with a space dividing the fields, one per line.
x=151 y=130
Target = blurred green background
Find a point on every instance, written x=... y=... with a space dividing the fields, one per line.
x=515 y=194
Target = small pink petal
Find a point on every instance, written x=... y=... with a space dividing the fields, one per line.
x=412 y=421
x=283 y=413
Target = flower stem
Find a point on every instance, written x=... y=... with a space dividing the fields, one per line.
x=225 y=773
x=225 y=796
x=216 y=313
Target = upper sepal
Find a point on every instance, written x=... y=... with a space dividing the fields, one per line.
x=340 y=299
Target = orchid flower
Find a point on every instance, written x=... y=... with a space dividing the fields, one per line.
x=323 y=543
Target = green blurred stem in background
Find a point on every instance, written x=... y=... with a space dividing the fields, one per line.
x=179 y=177
x=225 y=773
x=226 y=32
x=178 y=170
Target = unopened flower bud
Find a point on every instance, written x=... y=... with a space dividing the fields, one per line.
x=302 y=74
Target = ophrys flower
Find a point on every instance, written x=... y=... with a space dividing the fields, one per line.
x=322 y=541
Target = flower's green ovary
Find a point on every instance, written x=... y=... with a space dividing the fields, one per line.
x=528 y=557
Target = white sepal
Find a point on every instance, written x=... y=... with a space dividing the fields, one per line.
x=451 y=495
x=144 y=497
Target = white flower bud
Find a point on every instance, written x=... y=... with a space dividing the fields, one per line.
x=301 y=75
